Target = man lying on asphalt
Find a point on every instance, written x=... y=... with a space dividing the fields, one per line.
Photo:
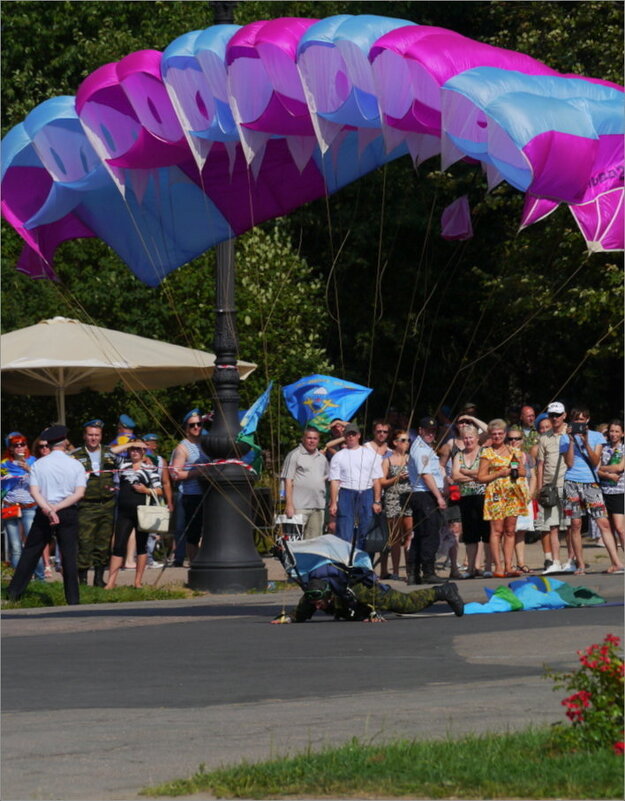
x=355 y=593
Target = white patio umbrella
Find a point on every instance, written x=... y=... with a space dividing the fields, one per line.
x=62 y=357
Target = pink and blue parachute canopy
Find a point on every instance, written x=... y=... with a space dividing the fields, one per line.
x=163 y=155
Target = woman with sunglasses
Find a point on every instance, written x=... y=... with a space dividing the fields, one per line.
x=186 y=454
x=525 y=521
x=18 y=505
x=138 y=477
x=505 y=498
x=396 y=500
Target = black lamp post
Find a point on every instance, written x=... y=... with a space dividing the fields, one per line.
x=227 y=561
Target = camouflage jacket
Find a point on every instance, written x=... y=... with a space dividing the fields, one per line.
x=100 y=486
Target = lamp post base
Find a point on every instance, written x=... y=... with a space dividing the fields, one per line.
x=228 y=579
x=228 y=561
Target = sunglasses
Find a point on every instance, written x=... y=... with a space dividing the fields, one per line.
x=381 y=431
x=43 y=445
x=515 y=439
x=555 y=414
x=402 y=439
x=194 y=425
x=18 y=444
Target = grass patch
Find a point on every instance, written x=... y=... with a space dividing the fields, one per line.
x=517 y=765
x=275 y=586
x=40 y=593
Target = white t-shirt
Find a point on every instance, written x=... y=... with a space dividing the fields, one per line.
x=355 y=468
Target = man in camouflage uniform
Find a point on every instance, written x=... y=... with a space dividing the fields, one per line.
x=96 y=514
x=356 y=594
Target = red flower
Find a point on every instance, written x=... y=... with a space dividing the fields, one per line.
x=619 y=748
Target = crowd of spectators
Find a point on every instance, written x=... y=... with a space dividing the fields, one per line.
x=492 y=487
x=446 y=483
x=103 y=515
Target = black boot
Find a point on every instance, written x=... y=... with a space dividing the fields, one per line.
x=82 y=576
x=429 y=575
x=98 y=577
x=449 y=593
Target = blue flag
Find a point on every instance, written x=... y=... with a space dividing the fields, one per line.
x=318 y=399
x=251 y=418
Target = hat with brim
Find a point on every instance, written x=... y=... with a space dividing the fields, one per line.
x=54 y=434
x=351 y=428
x=427 y=422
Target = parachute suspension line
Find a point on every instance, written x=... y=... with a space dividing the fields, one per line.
x=160 y=273
x=265 y=317
x=589 y=350
x=412 y=303
x=142 y=238
x=467 y=377
x=449 y=274
x=332 y=273
x=527 y=320
x=470 y=368
x=74 y=305
x=377 y=299
x=184 y=330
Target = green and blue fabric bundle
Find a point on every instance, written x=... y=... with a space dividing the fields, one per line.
x=534 y=593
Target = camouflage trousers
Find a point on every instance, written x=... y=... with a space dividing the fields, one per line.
x=95 y=529
x=393 y=600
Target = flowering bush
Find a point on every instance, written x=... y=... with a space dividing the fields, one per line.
x=596 y=708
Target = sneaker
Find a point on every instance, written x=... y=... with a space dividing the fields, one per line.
x=547 y=564
x=487 y=574
x=156 y=564
x=554 y=567
x=570 y=566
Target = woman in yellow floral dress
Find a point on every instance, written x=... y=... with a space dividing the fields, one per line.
x=505 y=498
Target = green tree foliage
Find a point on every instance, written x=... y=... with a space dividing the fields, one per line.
x=280 y=328
x=361 y=280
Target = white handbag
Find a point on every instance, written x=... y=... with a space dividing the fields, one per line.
x=153 y=517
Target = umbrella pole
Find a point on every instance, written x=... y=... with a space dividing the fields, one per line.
x=60 y=399
x=228 y=561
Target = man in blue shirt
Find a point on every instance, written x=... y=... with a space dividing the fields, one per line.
x=582 y=495
x=427 y=482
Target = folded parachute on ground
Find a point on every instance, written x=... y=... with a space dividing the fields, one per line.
x=534 y=593
x=163 y=155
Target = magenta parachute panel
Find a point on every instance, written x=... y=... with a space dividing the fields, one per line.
x=163 y=155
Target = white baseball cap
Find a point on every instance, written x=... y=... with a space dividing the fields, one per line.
x=556 y=408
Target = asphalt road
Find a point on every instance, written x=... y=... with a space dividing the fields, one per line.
x=100 y=701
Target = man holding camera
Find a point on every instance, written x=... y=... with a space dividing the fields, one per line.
x=582 y=495
x=550 y=470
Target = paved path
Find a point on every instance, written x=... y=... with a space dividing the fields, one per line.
x=100 y=701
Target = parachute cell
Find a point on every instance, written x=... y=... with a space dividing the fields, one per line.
x=164 y=155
